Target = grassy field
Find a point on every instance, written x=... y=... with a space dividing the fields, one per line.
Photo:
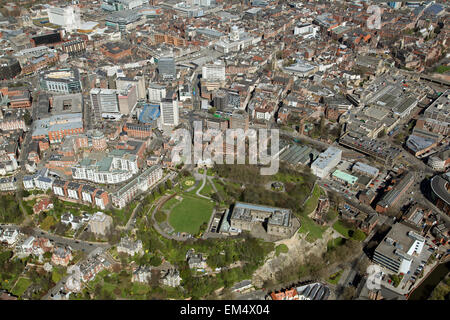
x=314 y=230
x=442 y=69
x=207 y=189
x=21 y=285
x=341 y=228
x=349 y=232
x=190 y=214
x=311 y=203
x=282 y=248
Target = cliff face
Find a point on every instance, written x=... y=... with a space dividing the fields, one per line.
x=299 y=250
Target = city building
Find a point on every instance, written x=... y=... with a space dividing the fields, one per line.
x=399 y=248
x=56 y=127
x=61 y=80
x=156 y=92
x=141 y=183
x=9 y=68
x=365 y=169
x=169 y=112
x=326 y=161
x=114 y=167
x=440 y=161
x=440 y=191
x=239 y=120
x=214 y=71
x=166 y=68
x=394 y=195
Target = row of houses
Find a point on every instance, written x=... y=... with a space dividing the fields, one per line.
x=68 y=190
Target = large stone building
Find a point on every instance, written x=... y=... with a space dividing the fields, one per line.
x=277 y=221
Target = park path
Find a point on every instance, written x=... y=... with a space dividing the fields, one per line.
x=201 y=187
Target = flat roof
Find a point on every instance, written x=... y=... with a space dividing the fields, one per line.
x=345 y=176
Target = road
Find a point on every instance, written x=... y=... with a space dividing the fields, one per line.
x=85 y=246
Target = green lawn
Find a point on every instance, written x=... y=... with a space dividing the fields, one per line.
x=349 y=232
x=442 y=69
x=311 y=203
x=207 y=189
x=341 y=228
x=334 y=243
x=139 y=289
x=282 y=248
x=313 y=229
x=190 y=214
x=20 y=287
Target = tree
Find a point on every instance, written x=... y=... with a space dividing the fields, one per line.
x=27 y=118
x=348 y=293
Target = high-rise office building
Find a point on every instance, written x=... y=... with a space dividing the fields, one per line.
x=169 y=112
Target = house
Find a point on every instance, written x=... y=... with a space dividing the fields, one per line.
x=130 y=247
x=100 y=223
x=66 y=218
x=42 y=245
x=61 y=256
x=27 y=245
x=195 y=260
x=43 y=205
x=141 y=274
x=171 y=278
x=9 y=236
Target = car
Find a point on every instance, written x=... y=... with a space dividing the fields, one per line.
x=77 y=241
x=90 y=244
x=42 y=232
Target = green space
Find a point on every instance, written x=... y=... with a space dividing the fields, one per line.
x=349 y=231
x=58 y=273
x=160 y=216
x=311 y=203
x=442 y=69
x=396 y=279
x=47 y=223
x=190 y=214
x=9 y=209
x=282 y=248
x=334 y=243
x=21 y=285
x=207 y=189
x=334 y=278
x=313 y=230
